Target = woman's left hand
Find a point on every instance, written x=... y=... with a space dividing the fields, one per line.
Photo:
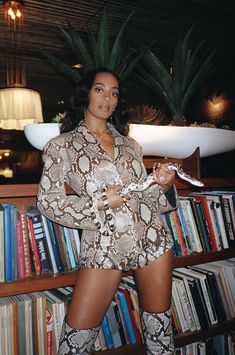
x=164 y=176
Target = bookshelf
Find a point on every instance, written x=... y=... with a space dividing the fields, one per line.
x=23 y=195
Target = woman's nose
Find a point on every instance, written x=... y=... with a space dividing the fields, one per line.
x=106 y=96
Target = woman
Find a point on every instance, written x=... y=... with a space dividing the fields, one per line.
x=95 y=158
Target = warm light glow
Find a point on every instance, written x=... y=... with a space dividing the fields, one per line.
x=13 y=10
x=18 y=107
x=7 y=172
x=217 y=106
x=78 y=66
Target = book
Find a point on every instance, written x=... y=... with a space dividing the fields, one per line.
x=2 y=243
x=107 y=332
x=41 y=242
x=214 y=241
x=179 y=232
x=187 y=301
x=193 y=235
x=55 y=246
x=57 y=307
x=26 y=245
x=216 y=203
x=34 y=247
x=203 y=225
x=204 y=287
x=228 y=204
x=198 y=297
x=131 y=309
x=184 y=325
x=7 y=241
x=59 y=235
x=217 y=297
x=50 y=249
x=69 y=247
x=114 y=325
x=177 y=249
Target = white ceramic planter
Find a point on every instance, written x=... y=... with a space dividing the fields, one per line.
x=164 y=141
x=39 y=134
x=180 y=142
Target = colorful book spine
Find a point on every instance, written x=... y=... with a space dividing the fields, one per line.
x=41 y=243
x=107 y=332
x=126 y=317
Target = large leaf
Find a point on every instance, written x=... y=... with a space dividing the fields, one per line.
x=118 y=47
x=79 y=48
x=190 y=68
x=96 y=52
x=103 y=39
x=62 y=67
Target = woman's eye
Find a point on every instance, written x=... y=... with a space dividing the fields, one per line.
x=99 y=89
x=115 y=94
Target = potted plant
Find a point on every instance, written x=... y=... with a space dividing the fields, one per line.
x=98 y=51
x=189 y=70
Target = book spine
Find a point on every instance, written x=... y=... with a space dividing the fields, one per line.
x=107 y=332
x=126 y=317
x=34 y=247
x=69 y=246
x=27 y=256
x=7 y=240
x=20 y=249
x=49 y=245
x=40 y=240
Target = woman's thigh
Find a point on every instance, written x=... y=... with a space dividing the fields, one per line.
x=154 y=284
x=93 y=292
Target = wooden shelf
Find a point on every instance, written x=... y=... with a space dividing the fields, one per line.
x=49 y=281
x=202 y=258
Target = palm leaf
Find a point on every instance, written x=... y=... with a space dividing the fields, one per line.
x=62 y=67
x=80 y=50
x=103 y=39
x=118 y=47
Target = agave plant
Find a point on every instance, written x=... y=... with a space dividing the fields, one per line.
x=190 y=68
x=98 y=52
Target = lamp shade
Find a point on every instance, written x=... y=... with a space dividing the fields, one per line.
x=18 y=107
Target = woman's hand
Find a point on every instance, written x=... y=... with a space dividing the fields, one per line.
x=115 y=199
x=164 y=176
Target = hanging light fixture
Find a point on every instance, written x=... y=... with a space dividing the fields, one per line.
x=18 y=105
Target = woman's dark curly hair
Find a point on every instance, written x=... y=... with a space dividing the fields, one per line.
x=79 y=103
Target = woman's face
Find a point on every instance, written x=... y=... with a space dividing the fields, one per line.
x=103 y=96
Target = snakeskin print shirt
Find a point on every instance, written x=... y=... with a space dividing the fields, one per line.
x=140 y=235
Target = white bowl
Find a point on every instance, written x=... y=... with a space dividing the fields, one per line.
x=180 y=142
x=164 y=141
x=38 y=134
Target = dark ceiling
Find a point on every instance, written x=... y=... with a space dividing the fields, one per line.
x=159 y=20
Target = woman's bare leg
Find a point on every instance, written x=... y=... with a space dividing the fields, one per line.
x=93 y=292
x=154 y=289
x=154 y=284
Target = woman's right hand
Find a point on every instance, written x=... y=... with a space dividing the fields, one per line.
x=115 y=200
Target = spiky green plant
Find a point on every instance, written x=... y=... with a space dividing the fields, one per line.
x=190 y=68
x=94 y=52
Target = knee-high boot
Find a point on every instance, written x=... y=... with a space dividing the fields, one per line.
x=157 y=331
x=77 y=341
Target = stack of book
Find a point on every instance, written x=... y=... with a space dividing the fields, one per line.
x=203 y=295
x=203 y=222
x=32 y=244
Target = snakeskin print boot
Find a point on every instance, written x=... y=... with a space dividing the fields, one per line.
x=157 y=331
x=77 y=341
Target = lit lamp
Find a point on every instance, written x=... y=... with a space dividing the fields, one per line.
x=18 y=105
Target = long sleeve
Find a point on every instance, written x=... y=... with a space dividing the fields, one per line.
x=69 y=210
